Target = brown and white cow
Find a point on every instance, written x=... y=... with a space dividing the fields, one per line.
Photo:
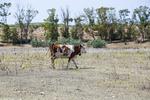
x=67 y=51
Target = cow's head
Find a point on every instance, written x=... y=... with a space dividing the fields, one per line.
x=82 y=49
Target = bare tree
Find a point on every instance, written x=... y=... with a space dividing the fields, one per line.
x=24 y=18
x=90 y=17
x=19 y=15
x=66 y=19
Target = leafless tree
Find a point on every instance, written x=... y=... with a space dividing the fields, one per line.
x=24 y=18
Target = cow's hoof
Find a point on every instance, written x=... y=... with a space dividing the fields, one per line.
x=77 y=67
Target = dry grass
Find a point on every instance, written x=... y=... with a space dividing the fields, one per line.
x=103 y=75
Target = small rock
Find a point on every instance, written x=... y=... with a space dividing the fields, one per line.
x=42 y=93
x=42 y=81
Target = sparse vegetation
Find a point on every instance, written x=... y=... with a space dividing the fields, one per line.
x=102 y=70
x=103 y=74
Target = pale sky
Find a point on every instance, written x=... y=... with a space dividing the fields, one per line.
x=76 y=6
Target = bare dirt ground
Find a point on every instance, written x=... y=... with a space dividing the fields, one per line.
x=104 y=74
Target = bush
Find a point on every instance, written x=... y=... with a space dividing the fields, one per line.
x=69 y=41
x=14 y=36
x=63 y=41
x=34 y=42
x=98 y=43
x=6 y=33
x=39 y=43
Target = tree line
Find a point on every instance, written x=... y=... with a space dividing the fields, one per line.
x=101 y=23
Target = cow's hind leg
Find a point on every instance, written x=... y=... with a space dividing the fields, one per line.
x=52 y=61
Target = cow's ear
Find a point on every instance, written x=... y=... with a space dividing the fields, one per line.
x=81 y=45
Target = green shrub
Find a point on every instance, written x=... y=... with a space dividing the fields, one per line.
x=39 y=43
x=69 y=41
x=98 y=43
x=63 y=41
x=42 y=43
x=74 y=42
x=6 y=33
x=34 y=42
x=89 y=43
x=14 y=36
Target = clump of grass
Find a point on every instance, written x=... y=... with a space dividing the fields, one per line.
x=4 y=67
x=115 y=74
x=145 y=84
x=98 y=43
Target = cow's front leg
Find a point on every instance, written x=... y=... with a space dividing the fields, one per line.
x=75 y=63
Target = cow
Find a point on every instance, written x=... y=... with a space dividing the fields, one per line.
x=67 y=51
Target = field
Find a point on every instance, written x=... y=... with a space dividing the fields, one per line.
x=104 y=74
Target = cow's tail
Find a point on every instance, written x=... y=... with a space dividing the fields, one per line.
x=47 y=51
x=50 y=48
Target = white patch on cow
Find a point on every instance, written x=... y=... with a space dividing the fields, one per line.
x=69 y=52
x=61 y=45
x=71 y=47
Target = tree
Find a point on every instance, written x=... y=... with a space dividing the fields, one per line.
x=24 y=18
x=141 y=16
x=124 y=21
x=6 y=33
x=51 y=25
x=102 y=15
x=29 y=16
x=77 y=30
x=111 y=23
x=19 y=15
x=4 y=12
x=124 y=16
x=14 y=35
x=103 y=24
x=90 y=17
x=66 y=19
